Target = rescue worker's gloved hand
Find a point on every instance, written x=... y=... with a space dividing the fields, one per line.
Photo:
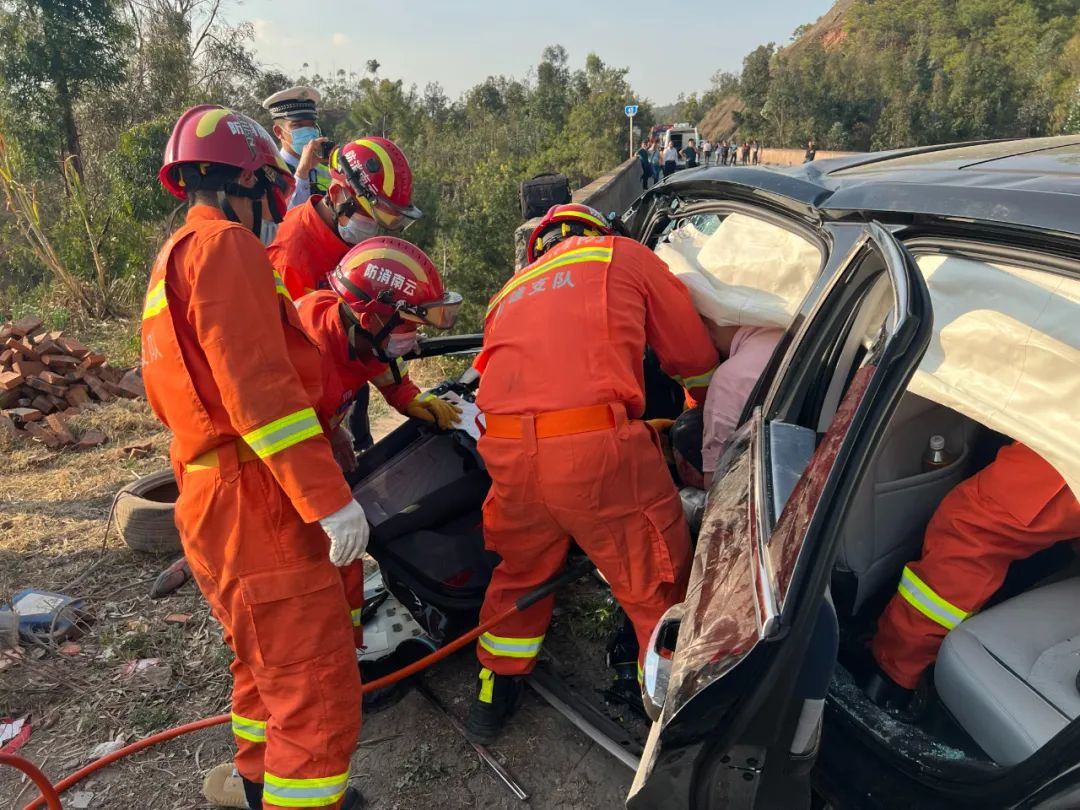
x=341 y=442
x=428 y=408
x=348 y=531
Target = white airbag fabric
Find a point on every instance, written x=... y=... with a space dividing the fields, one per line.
x=1006 y=352
x=746 y=273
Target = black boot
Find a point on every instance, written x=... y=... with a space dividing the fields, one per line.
x=906 y=705
x=253 y=793
x=622 y=657
x=353 y=800
x=498 y=698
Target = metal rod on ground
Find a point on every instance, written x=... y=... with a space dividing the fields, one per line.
x=489 y=759
x=582 y=723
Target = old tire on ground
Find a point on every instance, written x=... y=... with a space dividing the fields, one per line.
x=144 y=514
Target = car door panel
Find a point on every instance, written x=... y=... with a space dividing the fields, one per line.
x=759 y=573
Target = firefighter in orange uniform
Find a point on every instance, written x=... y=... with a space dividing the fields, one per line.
x=561 y=389
x=264 y=513
x=1014 y=507
x=383 y=290
x=370 y=190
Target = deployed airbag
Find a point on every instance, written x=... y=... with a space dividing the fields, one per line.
x=1005 y=352
x=748 y=272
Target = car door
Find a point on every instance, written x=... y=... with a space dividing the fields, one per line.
x=736 y=674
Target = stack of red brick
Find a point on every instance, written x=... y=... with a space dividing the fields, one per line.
x=46 y=374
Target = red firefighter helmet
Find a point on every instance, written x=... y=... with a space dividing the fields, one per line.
x=387 y=276
x=210 y=135
x=562 y=221
x=379 y=179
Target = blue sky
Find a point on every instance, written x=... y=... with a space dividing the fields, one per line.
x=459 y=43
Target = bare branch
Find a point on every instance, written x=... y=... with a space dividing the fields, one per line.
x=210 y=20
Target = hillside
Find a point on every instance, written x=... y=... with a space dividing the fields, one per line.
x=880 y=74
x=829 y=29
x=719 y=123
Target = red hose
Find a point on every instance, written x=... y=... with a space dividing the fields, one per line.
x=50 y=793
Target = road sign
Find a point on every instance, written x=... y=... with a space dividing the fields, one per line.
x=630 y=110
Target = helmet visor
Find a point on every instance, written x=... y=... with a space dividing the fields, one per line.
x=441 y=314
x=392 y=217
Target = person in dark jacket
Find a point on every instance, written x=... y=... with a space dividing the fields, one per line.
x=690 y=154
x=646 y=167
x=811 y=152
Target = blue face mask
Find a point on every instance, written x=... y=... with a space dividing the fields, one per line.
x=301 y=136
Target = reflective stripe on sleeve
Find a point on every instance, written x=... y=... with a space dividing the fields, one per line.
x=155 y=300
x=698 y=381
x=283 y=433
x=279 y=285
x=507 y=647
x=355 y=614
x=321 y=792
x=247 y=729
x=922 y=597
x=585 y=254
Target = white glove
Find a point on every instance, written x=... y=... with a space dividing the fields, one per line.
x=348 y=531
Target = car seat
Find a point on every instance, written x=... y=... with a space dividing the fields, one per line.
x=1009 y=674
x=896 y=498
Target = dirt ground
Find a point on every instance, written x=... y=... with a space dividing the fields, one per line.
x=53 y=509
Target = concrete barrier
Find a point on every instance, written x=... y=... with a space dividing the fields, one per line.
x=612 y=192
x=793 y=157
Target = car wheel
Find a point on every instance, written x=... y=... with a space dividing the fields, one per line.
x=144 y=514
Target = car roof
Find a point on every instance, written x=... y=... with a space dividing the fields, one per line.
x=1030 y=183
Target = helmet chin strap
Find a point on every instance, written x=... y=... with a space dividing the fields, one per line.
x=256 y=194
x=230 y=212
x=375 y=341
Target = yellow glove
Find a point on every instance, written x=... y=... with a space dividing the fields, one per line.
x=428 y=408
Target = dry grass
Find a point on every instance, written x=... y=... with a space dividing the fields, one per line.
x=53 y=510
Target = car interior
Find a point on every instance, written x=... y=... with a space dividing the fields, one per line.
x=1008 y=678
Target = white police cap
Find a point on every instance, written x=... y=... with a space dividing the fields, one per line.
x=296 y=103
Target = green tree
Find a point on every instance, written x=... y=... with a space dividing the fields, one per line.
x=56 y=51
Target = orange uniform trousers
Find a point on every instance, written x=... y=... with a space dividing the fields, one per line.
x=267 y=577
x=609 y=489
x=1014 y=507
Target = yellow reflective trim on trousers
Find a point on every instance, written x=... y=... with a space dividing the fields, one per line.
x=283 y=433
x=155 y=300
x=355 y=614
x=698 y=381
x=923 y=598
x=279 y=285
x=319 y=792
x=508 y=647
x=248 y=729
x=487 y=685
x=584 y=254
